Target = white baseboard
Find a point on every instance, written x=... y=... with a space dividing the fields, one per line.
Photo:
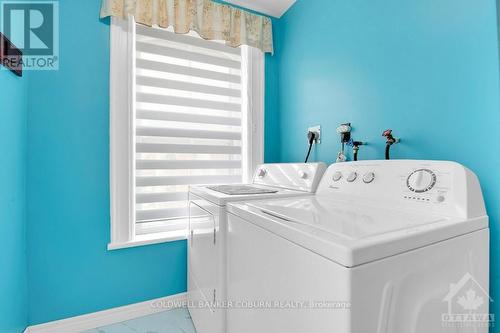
x=111 y=316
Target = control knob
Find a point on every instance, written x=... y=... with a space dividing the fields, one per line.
x=352 y=177
x=337 y=176
x=261 y=173
x=421 y=180
x=368 y=177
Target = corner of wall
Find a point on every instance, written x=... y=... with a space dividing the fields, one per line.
x=13 y=131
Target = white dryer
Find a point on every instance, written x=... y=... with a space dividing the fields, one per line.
x=383 y=247
x=208 y=228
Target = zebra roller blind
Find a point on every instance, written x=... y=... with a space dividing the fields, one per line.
x=188 y=119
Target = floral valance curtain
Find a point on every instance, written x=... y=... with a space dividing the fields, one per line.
x=209 y=19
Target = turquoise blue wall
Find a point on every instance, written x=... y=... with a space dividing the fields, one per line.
x=272 y=138
x=427 y=69
x=13 y=274
x=70 y=270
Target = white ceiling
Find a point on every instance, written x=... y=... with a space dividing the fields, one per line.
x=274 y=8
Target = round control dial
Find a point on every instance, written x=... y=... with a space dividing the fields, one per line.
x=421 y=180
x=337 y=176
x=368 y=177
x=303 y=174
x=352 y=177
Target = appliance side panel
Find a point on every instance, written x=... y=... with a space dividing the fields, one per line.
x=273 y=283
x=203 y=266
x=415 y=292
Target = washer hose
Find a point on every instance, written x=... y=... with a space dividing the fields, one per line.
x=387 y=151
x=390 y=141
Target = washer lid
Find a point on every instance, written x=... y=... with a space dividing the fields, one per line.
x=351 y=233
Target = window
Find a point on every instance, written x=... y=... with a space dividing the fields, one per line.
x=184 y=111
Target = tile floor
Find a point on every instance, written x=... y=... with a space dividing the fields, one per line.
x=172 y=321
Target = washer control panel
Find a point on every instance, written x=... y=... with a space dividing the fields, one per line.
x=439 y=185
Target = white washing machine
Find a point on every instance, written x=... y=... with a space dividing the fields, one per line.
x=208 y=228
x=383 y=247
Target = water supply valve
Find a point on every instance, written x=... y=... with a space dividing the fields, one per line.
x=390 y=140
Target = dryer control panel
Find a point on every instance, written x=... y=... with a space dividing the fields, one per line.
x=439 y=186
x=293 y=176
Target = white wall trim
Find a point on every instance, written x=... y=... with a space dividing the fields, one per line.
x=111 y=316
x=150 y=239
x=122 y=129
x=253 y=80
x=276 y=8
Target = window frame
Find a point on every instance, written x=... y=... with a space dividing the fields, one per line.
x=122 y=132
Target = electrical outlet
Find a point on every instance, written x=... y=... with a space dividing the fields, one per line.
x=317 y=130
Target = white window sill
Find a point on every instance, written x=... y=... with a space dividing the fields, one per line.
x=150 y=239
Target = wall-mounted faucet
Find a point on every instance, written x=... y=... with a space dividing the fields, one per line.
x=390 y=141
x=344 y=130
